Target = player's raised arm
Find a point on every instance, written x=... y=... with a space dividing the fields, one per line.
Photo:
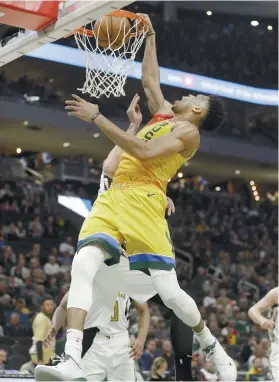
x=150 y=77
x=184 y=138
x=135 y=117
x=58 y=320
x=144 y=323
x=268 y=301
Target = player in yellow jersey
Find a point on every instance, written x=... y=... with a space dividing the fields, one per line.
x=133 y=211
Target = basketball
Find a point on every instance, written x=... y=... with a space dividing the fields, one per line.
x=111 y=31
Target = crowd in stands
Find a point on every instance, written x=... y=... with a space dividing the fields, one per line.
x=222 y=46
x=226 y=259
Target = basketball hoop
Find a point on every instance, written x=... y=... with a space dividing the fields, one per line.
x=107 y=66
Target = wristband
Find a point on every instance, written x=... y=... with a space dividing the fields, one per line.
x=95 y=116
x=151 y=33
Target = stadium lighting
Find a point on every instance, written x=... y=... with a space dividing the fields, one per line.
x=18 y=150
x=217 y=188
x=66 y=144
x=255 y=193
x=209 y=13
x=237 y=172
x=254 y=188
x=269 y=27
x=254 y=23
x=96 y=135
x=252 y=183
x=180 y=175
x=257 y=198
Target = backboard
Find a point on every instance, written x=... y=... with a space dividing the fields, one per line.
x=72 y=15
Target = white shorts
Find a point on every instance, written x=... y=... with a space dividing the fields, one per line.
x=108 y=281
x=109 y=358
x=273 y=360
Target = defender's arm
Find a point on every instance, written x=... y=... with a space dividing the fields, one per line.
x=144 y=323
x=58 y=320
x=255 y=313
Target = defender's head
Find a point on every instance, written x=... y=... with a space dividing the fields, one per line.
x=204 y=111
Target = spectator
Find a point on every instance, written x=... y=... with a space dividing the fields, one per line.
x=168 y=356
x=6 y=262
x=158 y=371
x=22 y=311
x=249 y=348
x=148 y=356
x=66 y=265
x=35 y=227
x=223 y=299
x=49 y=229
x=242 y=324
x=40 y=327
x=59 y=221
x=20 y=231
x=15 y=328
x=38 y=276
x=67 y=246
x=20 y=270
x=210 y=300
x=256 y=371
x=3 y=358
x=52 y=287
x=52 y=268
x=35 y=252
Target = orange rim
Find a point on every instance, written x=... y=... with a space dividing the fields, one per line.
x=117 y=13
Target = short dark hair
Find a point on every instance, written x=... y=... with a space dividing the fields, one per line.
x=215 y=116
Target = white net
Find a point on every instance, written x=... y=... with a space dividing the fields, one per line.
x=109 y=53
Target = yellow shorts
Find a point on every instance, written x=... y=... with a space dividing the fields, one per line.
x=136 y=216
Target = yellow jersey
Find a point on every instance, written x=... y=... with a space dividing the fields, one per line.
x=40 y=327
x=155 y=172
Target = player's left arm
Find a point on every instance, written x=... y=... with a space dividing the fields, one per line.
x=185 y=136
x=144 y=323
x=268 y=301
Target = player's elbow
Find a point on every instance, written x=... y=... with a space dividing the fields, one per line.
x=250 y=312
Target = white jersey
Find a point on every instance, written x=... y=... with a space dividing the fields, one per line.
x=274 y=333
x=105 y=183
x=119 y=321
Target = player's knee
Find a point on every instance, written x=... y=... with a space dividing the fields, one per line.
x=170 y=295
x=87 y=261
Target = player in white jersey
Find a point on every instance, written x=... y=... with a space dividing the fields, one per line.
x=269 y=304
x=112 y=354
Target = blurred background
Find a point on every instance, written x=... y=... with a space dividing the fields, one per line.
x=226 y=223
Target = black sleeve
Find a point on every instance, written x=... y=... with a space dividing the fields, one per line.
x=39 y=346
x=182 y=342
x=88 y=338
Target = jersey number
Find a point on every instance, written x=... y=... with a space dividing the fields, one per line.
x=154 y=129
x=115 y=316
